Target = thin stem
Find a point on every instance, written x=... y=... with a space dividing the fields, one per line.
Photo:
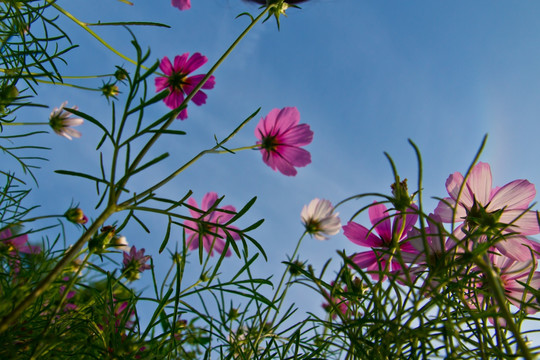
x=23 y=123
x=229 y=151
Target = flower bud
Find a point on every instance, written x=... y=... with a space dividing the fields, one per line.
x=120 y=243
x=109 y=90
x=401 y=200
x=76 y=216
x=120 y=74
x=99 y=242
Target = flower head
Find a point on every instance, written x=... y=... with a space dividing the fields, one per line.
x=61 y=122
x=17 y=244
x=499 y=210
x=135 y=263
x=205 y=229
x=178 y=82
x=182 y=4
x=120 y=243
x=320 y=219
x=391 y=236
x=280 y=137
x=14 y=246
x=109 y=90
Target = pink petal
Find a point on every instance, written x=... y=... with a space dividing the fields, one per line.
x=445 y=212
x=480 y=182
x=288 y=117
x=182 y=4
x=294 y=155
x=182 y=115
x=208 y=200
x=193 y=241
x=298 y=135
x=194 y=62
x=180 y=62
x=365 y=259
x=380 y=220
x=195 y=214
x=165 y=66
x=360 y=235
x=194 y=80
x=199 y=98
x=522 y=222
x=161 y=83
x=453 y=184
x=174 y=99
x=515 y=195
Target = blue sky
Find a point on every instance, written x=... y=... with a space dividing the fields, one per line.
x=365 y=75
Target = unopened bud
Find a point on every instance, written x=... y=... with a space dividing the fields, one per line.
x=76 y=216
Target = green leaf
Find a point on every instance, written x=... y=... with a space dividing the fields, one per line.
x=167 y=236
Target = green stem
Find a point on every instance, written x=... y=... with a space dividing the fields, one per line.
x=67 y=84
x=23 y=123
x=228 y=151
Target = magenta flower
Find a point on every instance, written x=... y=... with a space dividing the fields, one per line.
x=375 y=260
x=182 y=4
x=483 y=207
x=61 y=122
x=280 y=137
x=135 y=263
x=205 y=229
x=178 y=82
x=17 y=244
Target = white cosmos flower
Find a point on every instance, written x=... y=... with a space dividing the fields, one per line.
x=320 y=219
x=61 y=122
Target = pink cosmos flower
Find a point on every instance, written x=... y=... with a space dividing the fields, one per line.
x=17 y=244
x=514 y=277
x=375 y=260
x=135 y=263
x=500 y=208
x=320 y=219
x=61 y=122
x=182 y=4
x=280 y=137
x=178 y=82
x=335 y=302
x=212 y=237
